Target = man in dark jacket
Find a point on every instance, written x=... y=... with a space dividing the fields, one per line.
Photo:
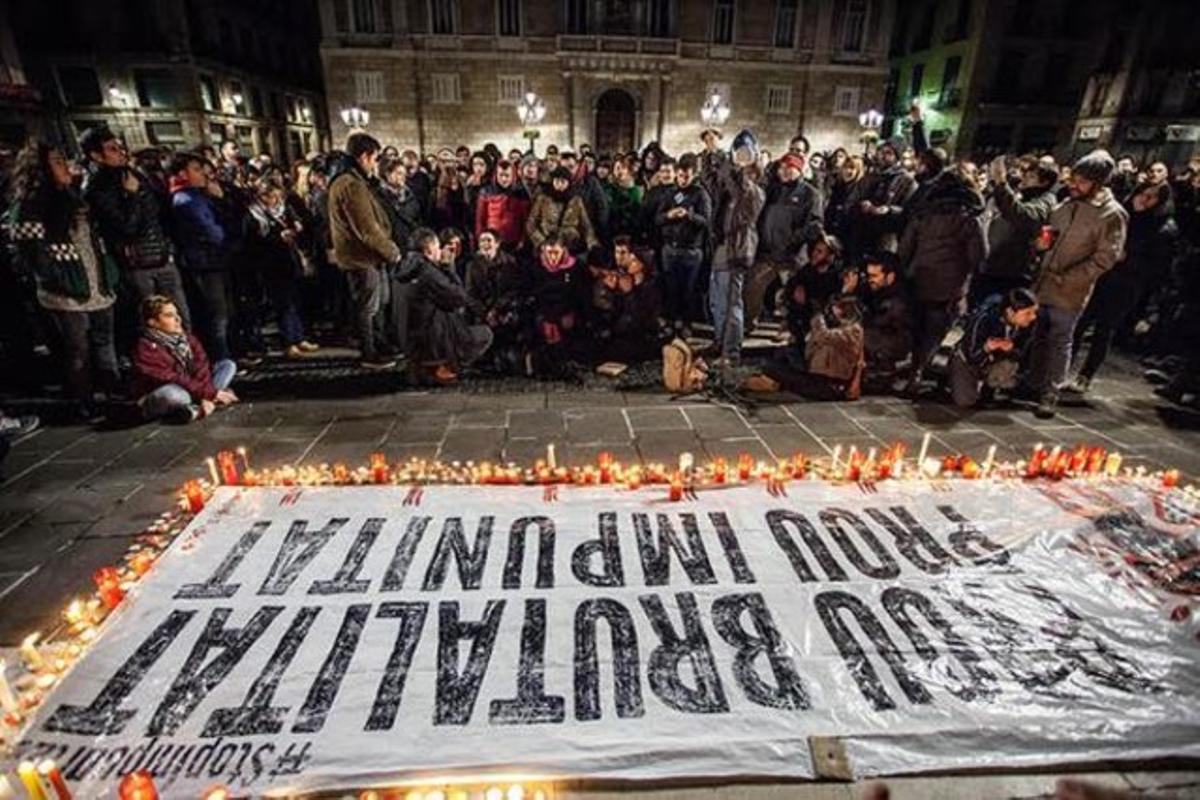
x=171 y=374
x=361 y=232
x=1020 y=215
x=131 y=218
x=942 y=246
x=684 y=219
x=791 y=218
x=990 y=352
x=887 y=318
x=442 y=340
x=879 y=217
x=200 y=232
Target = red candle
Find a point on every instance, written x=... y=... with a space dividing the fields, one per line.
x=195 y=496
x=605 y=461
x=1170 y=478
x=1035 y=462
x=108 y=584
x=341 y=473
x=52 y=775
x=719 y=470
x=634 y=479
x=1095 y=461
x=379 y=468
x=138 y=786
x=1079 y=458
x=142 y=562
x=745 y=464
x=971 y=469
x=676 y=492
x=228 y=467
x=883 y=470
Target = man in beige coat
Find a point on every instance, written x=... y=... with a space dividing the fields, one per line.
x=361 y=232
x=1086 y=238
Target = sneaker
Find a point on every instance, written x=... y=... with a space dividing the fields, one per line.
x=442 y=375
x=15 y=428
x=760 y=384
x=1077 y=387
x=1156 y=376
x=308 y=347
x=293 y=351
x=250 y=360
x=1047 y=407
x=377 y=362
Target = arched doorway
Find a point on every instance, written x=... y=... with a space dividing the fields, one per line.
x=616 y=121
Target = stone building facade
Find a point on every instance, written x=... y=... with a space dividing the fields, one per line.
x=617 y=74
x=177 y=72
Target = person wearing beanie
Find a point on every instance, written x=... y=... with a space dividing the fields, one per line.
x=559 y=211
x=1085 y=240
x=879 y=216
x=791 y=218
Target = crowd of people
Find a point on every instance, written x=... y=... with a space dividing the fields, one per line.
x=156 y=279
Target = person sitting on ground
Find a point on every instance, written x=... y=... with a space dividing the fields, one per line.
x=813 y=285
x=171 y=373
x=498 y=289
x=560 y=289
x=624 y=306
x=833 y=358
x=887 y=319
x=441 y=339
x=990 y=353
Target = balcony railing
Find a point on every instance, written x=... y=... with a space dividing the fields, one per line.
x=646 y=45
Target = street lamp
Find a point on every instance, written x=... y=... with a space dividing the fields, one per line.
x=870 y=121
x=531 y=111
x=715 y=111
x=356 y=118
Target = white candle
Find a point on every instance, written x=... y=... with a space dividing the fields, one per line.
x=991 y=457
x=551 y=461
x=241 y=451
x=922 y=454
x=686 y=462
x=8 y=700
x=837 y=451
x=212 y=470
x=871 y=456
x=30 y=653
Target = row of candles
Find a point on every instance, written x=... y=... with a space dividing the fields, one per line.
x=45 y=663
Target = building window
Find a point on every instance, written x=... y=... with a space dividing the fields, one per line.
x=658 y=18
x=444 y=88
x=363 y=18
x=238 y=98
x=245 y=135
x=779 y=99
x=512 y=89
x=164 y=132
x=577 y=16
x=208 y=93
x=924 y=34
x=256 y=103
x=216 y=131
x=854 y=28
x=785 y=23
x=508 y=17
x=368 y=87
x=918 y=76
x=723 y=13
x=442 y=15
x=846 y=101
x=948 y=97
x=157 y=88
x=80 y=86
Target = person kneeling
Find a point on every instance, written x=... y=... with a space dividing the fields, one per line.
x=833 y=356
x=171 y=373
x=989 y=354
x=624 y=305
x=442 y=339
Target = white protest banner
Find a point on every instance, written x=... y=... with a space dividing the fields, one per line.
x=296 y=639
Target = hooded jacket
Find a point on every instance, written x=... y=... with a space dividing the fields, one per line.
x=358 y=224
x=1089 y=242
x=835 y=353
x=504 y=211
x=741 y=201
x=943 y=242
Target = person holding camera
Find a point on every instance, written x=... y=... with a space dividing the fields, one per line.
x=988 y=354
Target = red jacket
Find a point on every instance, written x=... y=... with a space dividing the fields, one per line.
x=504 y=212
x=154 y=366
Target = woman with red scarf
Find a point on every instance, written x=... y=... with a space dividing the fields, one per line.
x=561 y=286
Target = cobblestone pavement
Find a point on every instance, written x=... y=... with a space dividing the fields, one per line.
x=72 y=498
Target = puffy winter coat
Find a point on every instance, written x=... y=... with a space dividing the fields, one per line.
x=132 y=224
x=943 y=242
x=504 y=211
x=793 y=216
x=565 y=216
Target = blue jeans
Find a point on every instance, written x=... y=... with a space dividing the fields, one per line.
x=171 y=399
x=1051 y=355
x=680 y=269
x=726 y=304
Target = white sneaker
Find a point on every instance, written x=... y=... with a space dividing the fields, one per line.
x=14 y=428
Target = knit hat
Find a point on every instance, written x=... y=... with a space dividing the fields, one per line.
x=560 y=172
x=792 y=160
x=746 y=142
x=1097 y=167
